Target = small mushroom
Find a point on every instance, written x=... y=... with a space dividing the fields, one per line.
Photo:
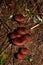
x=20 y=56
x=24 y=51
x=19 y=18
x=11 y=5
x=22 y=30
x=19 y=41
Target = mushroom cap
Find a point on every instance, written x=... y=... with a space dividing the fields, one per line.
x=28 y=37
x=20 y=56
x=19 y=18
x=24 y=51
x=22 y=30
x=14 y=35
x=19 y=41
x=11 y=5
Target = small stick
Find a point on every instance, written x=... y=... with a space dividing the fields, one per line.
x=6 y=48
x=34 y=26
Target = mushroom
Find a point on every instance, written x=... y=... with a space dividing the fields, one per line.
x=24 y=51
x=22 y=30
x=20 y=56
x=10 y=4
x=19 y=41
x=14 y=35
x=28 y=37
x=19 y=18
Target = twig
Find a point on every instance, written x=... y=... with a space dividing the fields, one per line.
x=35 y=26
x=6 y=26
x=5 y=48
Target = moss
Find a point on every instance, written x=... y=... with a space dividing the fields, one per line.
x=3 y=58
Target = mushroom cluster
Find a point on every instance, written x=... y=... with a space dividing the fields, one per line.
x=20 y=36
x=22 y=53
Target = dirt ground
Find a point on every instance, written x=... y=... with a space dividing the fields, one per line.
x=8 y=25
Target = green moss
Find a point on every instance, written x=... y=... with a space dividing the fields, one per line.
x=3 y=58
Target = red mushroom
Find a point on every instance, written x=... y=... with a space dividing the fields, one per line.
x=20 y=56
x=14 y=35
x=24 y=51
x=19 y=18
x=11 y=5
x=19 y=41
x=22 y=30
x=28 y=37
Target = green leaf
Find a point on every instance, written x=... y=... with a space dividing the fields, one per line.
x=30 y=59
